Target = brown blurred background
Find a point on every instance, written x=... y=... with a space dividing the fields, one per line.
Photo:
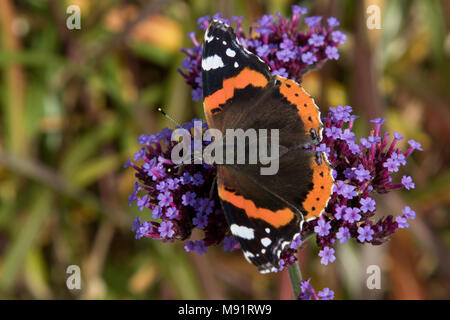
x=73 y=102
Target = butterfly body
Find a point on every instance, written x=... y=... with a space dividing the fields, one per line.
x=265 y=212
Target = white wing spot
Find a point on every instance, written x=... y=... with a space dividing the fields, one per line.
x=242 y=232
x=224 y=42
x=263 y=251
x=266 y=242
x=212 y=62
x=208 y=39
x=230 y=52
x=248 y=255
x=267 y=230
x=236 y=64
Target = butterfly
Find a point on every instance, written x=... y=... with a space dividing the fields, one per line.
x=265 y=212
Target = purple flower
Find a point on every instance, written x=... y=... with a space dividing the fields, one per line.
x=338 y=37
x=367 y=204
x=373 y=139
x=280 y=72
x=340 y=210
x=362 y=174
x=392 y=163
x=351 y=215
x=186 y=178
x=415 y=145
x=327 y=255
x=349 y=191
x=166 y=229
x=229 y=244
x=133 y=196
x=305 y=285
x=197 y=94
x=378 y=121
x=365 y=143
x=146 y=139
x=197 y=179
x=142 y=202
x=139 y=155
x=398 y=136
x=333 y=22
x=297 y=10
x=296 y=243
x=141 y=229
x=317 y=40
x=409 y=213
x=326 y=294
x=354 y=148
x=162 y=186
x=172 y=184
x=322 y=228
x=195 y=246
x=343 y=234
x=263 y=51
x=165 y=199
x=341 y=112
x=285 y=55
x=347 y=136
x=333 y=132
x=264 y=24
x=332 y=53
x=323 y=148
x=309 y=58
x=157 y=213
x=204 y=205
x=188 y=199
x=365 y=234
x=200 y=221
x=203 y=22
x=408 y=183
x=313 y=21
x=402 y=222
x=171 y=212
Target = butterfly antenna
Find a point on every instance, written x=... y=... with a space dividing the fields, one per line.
x=179 y=125
x=169 y=117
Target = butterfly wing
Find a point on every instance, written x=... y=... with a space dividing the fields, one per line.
x=264 y=212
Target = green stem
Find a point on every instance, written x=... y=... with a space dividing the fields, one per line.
x=295 y=275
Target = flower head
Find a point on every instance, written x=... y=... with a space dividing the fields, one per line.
x=288 y=51
x=365 y=234
x=327 y=255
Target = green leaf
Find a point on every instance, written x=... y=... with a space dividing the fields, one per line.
x=24 y=239
x=94 y=169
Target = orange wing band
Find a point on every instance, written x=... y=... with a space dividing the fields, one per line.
x=317 y=199
x=277 y=218
x=307 y=109
x=245 y=78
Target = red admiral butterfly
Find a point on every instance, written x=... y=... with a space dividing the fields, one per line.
x=265 y=212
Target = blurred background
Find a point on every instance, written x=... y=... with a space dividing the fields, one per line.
x=73 y=102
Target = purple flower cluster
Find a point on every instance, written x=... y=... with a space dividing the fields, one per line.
x=178 y=196
x=278 y=41
x=360 y=170
x=308 y=292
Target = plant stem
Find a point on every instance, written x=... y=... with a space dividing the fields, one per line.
x=295 y=275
